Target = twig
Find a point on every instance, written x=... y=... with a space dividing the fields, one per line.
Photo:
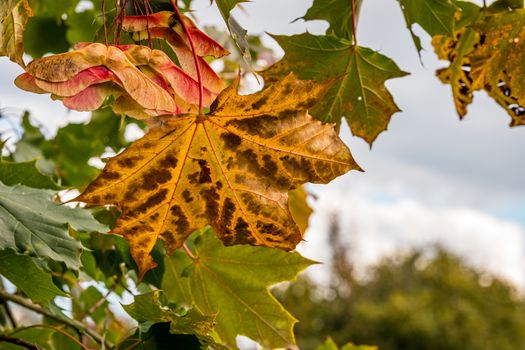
x=10 y=315
x=19 y=342
x=194 y=52
x=56 y=329
x=99 y=302
x=75 y=324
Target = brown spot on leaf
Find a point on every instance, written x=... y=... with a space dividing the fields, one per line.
x=231 y=141
x=228 y=210
x=204 y=175
x=152 y=178
x=260 y=102
x=179 y=219
x=211 y=198
x=242 y=231
x=110 y=175
x=152 y=201
x=188 y=198
x=128 y=162
x=264 y=126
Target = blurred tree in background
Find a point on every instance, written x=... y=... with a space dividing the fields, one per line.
x=416 y=301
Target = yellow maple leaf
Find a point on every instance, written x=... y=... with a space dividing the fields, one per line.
x=487 y=56
x=231 y=169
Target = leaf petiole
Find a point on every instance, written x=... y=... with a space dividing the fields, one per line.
x=193 y=51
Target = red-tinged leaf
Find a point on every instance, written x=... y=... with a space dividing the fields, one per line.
x=64 y=66
x=139 y=23
x=89 y=99
x=81 y=81
x=147 y=94
x=183 y=85
x=210 y=79
x=204 y=45
x=96 y=63
x=27 y=82
x=164 y=25
x=124 y=104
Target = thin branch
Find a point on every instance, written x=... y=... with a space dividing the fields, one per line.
x=73 y=323
x=194 y=52
x=99 y=302
x=56 y=329
x=3 y=302
x=10 y=315
x=19 y=342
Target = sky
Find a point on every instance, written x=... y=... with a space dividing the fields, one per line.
x=429 y=179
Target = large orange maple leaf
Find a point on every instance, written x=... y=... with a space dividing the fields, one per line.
x=231 y=169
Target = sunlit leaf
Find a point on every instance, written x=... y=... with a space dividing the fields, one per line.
x=233 y=282
x=231 y=169
x=358 y=93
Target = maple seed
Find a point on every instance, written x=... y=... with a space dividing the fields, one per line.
x=227 y=169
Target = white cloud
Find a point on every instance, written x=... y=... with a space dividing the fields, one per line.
x=373 y=229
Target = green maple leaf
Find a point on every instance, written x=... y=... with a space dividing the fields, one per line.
x=338 y=13
x=26 y=273
x=232 y=282
x=31 y=223
x=436 y=17
x=358 y=93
